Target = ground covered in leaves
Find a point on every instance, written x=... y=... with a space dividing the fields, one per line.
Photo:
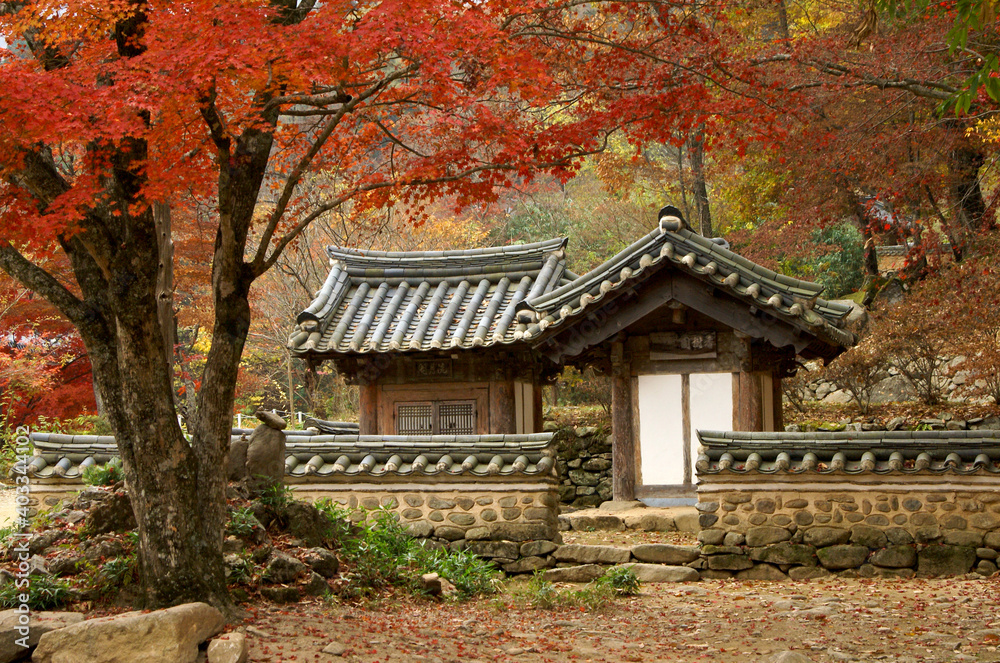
x=825 y=620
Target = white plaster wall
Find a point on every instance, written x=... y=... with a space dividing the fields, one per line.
x=711 y=406
x=661 y=435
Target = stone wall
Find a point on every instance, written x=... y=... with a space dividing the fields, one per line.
x=900 y=531
x=583 y=463
x=516 y=527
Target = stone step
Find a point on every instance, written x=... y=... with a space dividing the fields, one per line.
x=621 y=516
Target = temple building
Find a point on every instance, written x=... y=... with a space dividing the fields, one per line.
x=692 y=335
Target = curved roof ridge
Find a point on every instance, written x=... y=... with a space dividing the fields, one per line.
x=536 y=250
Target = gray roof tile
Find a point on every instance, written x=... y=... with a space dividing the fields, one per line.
x=460 y=299
x=849 y=452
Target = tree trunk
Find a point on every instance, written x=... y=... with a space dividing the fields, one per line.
x=964 y=188
x=703 y=223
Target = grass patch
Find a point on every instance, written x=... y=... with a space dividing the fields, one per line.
x=541 y=594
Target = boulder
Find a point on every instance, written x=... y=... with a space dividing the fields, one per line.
x=537 y=548
x=761 y=572
x=527 y=565
x=283 y=568
x=266 y=456
x=523 y=531
x=17 y=639
x=228 y=648
x=304 y=521
x=807 y=572
x=945 y=560
x=872 y=537
x=785 y=553
x=895 y=557
x=763 y=536
x=280 y=594
x=322 y=561
x=316 y=585
x=156 y=637
x=112 y=514
x=842 y=556
x=39 y=543
x=664 y=553
x=592 y=554
x=582 y=573
x=729 y=562
x=662 y=573
x=821 y=537
x=237 y=464
x=271 y=420
x=494 y=549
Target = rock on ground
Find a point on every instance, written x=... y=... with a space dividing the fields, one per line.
x=38 y=624
x=228 y=648
x=662 y=573
x=163 y=636
x=266 y=455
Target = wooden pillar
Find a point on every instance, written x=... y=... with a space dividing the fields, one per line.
x=776 y=396
x=749 y=403
x=622 y=448
x=502 y=408
x=538 y=409
x=368 y=410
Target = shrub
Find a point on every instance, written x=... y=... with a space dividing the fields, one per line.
x=471 y=575
x=621 y=580
x=859 y=370
x=44 y=593
x=339 y=517
x=242 y=522
x=104 y=475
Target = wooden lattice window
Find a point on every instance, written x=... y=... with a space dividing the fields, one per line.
x=436 y=417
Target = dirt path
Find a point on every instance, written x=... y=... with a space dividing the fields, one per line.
x=829 y=620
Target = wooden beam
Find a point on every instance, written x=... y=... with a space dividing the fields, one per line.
x=608 y=320
x=368 y=410
x=502 y=407
x=736 y=314
x=622 y=449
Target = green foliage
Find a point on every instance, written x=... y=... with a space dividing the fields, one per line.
x=471 y=575
x=241 y=572
x=383 y=554
x=44 y=593
x=104 y=475
x=276 y=496
x=542 y=594
x=621 y=580
x=841 y=270
x=379 y=553
x=242 y=522
x=339 y=517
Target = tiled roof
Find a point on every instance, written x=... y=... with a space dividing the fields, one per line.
x=374 y=301
x=66 y=456
x=381 y=302
x=850 y=452
x=797 y=302
x=377 y=455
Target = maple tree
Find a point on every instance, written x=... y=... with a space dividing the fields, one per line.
x=116 y=114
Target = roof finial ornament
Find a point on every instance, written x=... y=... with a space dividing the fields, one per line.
x=671 y=219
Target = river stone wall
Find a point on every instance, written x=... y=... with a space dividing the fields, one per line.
x=516 y=528
x=804 y=534
x=583 y=464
